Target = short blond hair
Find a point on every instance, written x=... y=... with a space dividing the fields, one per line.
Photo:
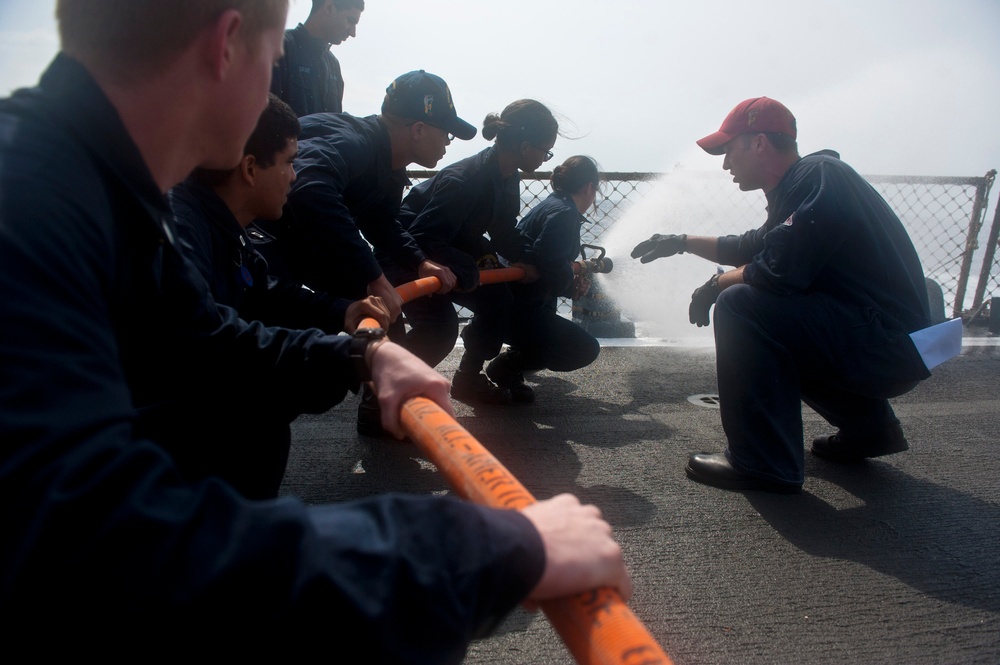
x=138 y=36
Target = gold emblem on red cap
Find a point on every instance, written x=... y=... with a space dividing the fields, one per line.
x=752 y=117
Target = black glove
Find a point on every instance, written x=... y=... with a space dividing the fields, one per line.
x=702 y=300
x=658 y=246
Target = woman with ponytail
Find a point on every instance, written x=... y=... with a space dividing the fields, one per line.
x=449 y=216
x=539 y=338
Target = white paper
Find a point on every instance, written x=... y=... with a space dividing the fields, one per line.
x=939 y=343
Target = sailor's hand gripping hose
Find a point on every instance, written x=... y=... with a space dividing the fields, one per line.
x=597 y=626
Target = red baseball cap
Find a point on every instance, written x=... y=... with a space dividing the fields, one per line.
x=752 y=116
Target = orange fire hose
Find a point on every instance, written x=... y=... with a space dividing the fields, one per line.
x=428 y=285
x=597 y=626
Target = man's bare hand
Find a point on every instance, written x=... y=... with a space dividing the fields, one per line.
x=580 y=553
x=443 y=273
x=371 y=307
x=399 y=375
x=381 y=288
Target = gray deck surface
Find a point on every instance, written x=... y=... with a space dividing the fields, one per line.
x=890 y=561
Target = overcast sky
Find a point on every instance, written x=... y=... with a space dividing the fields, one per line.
x=898 y=88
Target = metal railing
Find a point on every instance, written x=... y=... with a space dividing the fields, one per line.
x=944 y=217
x=988 y=286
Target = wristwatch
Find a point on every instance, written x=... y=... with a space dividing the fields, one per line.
x=362 y=339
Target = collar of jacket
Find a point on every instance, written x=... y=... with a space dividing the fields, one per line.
x=309 y=41
x=98 y=126
x=214 y=208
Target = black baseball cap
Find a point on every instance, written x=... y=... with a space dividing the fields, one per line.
x=425 y=97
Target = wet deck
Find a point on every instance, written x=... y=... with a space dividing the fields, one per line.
x=895 y=560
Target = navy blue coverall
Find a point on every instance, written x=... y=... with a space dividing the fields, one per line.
x=237 y=276
x=542 y=338
x=448 y=216
x=104 y=533
x=345 y=196
x=308 y=76
x=833 y=287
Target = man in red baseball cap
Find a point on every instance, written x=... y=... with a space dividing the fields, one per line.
x=753 y=116
x=818 y=308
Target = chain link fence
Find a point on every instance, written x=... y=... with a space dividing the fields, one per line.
x=944 y=217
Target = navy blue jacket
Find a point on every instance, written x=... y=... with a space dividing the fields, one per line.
x=308 y=77
x=237 y=274
x=449 y=214
x=828 y=230
x=554 y=225
x=102 y=315
x=345 y=196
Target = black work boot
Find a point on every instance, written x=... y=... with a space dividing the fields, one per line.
x=853 y=448
x=475 y=388
x=506 y=371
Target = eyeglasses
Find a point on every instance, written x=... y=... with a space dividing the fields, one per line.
x=548 y=153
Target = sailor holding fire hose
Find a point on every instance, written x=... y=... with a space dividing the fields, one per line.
x=538 y=337
x=448 y=216
x=104 y=534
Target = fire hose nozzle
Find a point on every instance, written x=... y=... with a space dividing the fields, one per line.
x=596 y=264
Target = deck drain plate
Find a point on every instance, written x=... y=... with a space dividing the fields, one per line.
x=709 y=401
